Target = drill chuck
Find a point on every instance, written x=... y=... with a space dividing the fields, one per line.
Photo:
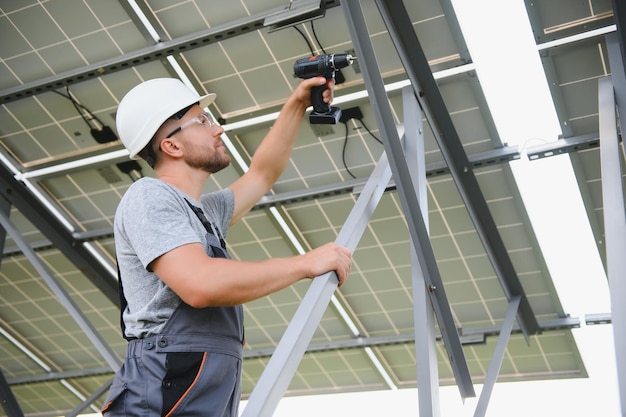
x=325 y=65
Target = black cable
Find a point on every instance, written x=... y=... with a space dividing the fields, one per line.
x=345 y=144
x=78 y=108
x=77 y=105
x=100 y=132
x=343 y=152
x=339 y=77
x=316 y=38
x=345 y=139
x=306 y=40
x=370 y=132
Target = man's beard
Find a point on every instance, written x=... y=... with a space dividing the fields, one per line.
x=209 y=163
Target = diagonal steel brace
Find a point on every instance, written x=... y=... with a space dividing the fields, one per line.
x=284 y=362
x=408 y=197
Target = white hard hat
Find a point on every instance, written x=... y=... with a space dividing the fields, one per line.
x=148 y=105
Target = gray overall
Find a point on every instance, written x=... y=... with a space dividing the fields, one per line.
x=191 y=368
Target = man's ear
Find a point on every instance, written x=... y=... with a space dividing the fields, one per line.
x=171 y=147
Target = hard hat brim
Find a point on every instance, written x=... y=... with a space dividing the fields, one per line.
x=207 y=100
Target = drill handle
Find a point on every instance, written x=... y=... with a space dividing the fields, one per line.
x=317 y=99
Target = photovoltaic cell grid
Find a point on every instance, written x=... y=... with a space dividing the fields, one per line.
x=252 y=75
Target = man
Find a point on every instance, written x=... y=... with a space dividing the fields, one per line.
x=181 y=293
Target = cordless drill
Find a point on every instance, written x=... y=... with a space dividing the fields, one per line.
x=325 y=65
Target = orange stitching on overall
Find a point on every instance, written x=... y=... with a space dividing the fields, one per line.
x=106 y=407
x=190 y=386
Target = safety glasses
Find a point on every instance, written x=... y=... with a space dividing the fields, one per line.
x=203 y=120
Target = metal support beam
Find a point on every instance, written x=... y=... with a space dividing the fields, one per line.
x=410 y=51
x=563 y=146
x=419 y=236
x=90 y=400
x=597 y=318
x=619 y=11
x=56 y=376
x=7 y=399
x=142 y=56
x=497 y=358
x=64 y=298
x=469 y=336
x=479 y=160
x=423 y=318
x=5 y=207
x=434 y=169
x=19 y=196
x=277 y=375
x=614 y=226
x=618 y=69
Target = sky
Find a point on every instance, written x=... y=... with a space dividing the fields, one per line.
x=505 y=46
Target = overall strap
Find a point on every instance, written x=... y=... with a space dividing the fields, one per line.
x=123 y=304
x=211 y=229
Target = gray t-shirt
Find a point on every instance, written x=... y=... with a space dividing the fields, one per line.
x=152 y=219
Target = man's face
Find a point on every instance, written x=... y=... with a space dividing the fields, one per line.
x=200 y=139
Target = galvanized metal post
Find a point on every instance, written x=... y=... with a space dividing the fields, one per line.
x=423 y=314
x=614 y=226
